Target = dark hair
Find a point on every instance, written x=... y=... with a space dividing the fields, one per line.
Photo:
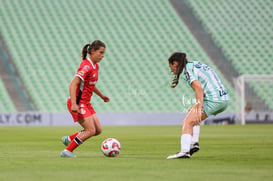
x=182 y=61
x=96 y=44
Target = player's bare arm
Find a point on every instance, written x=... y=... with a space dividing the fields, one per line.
x=102 y=96
x=196 y=86
x=72 y=91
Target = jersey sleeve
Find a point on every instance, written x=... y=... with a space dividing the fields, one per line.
x=190 y=73
x=83 y=70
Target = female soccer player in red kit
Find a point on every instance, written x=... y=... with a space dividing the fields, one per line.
x=81 y=89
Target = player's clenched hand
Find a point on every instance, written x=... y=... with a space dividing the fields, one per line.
x=197 y=114
x=105 y=98
x=198 y=118
x=75 y=108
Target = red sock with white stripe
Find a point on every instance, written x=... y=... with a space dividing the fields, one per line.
x=71 y=137
x=74 y=144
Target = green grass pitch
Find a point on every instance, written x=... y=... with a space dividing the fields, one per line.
x=229 y=152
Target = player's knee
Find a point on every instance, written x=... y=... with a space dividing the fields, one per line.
x=98 y=131
x=90 y=132
x=188 y=123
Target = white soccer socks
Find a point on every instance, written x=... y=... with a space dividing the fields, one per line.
x=196 y=133
x=186 y=142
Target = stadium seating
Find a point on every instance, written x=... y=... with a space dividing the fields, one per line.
x=243 y=33
x=45 y=40
x=6 y=104
x=243 y=29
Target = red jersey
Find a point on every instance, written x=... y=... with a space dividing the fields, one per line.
x=88 y=72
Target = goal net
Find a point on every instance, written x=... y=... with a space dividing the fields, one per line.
x=254 y=98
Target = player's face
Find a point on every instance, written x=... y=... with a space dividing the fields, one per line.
x=173 y=67
x=97 y=55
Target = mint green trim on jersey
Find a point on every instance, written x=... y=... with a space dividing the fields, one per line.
x=213 y=88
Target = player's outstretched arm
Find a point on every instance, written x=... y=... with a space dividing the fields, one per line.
x=102 y=96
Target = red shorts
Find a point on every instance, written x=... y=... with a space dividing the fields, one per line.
x=85 y=110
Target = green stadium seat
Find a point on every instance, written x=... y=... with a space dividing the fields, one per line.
x=242 y=33
x=6 y=104
x=45 y=41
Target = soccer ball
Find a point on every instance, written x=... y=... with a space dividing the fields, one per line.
x=110 y=147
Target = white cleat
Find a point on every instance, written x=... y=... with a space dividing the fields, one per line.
x=180 y=155
x=67 y=154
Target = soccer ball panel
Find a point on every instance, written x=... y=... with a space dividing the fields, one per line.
x=110 y=147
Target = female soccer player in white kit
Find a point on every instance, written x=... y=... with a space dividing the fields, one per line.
x=211 y=99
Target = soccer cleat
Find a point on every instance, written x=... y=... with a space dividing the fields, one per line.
x=194 y=148
x=65 y=140
x=67 y=154
x=180 y=155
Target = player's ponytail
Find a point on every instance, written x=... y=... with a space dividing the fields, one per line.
x=182 y=61
x=85 y=49
x=88 y=47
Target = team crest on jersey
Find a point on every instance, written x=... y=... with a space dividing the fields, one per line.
x=86 y=67
x=82 y=111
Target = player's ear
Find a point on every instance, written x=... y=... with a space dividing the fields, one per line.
x=175 y=63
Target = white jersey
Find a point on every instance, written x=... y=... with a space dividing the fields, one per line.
x=213 y=88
